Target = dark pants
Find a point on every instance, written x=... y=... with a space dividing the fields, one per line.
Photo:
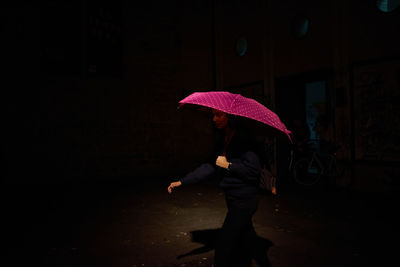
x=237 y=241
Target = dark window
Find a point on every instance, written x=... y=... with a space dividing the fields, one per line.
x=387 y=5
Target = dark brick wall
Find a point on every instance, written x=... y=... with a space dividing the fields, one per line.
x=86 y=108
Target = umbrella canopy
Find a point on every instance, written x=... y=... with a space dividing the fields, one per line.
x=236 y=104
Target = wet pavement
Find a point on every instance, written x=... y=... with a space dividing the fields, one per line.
x=121 y=223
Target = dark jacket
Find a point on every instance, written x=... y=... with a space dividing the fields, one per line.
x=242 y=177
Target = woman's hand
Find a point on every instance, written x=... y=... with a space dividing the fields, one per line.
x=172 y=185
x=222 y=162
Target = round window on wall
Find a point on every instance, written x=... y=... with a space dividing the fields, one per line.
x=387 y=5
x=300 y=27
x=241 y=46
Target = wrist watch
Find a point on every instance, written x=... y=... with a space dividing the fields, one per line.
x=229 y=165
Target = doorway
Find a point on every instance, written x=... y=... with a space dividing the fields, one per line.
x=303 y=104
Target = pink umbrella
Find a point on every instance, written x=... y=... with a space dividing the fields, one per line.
x=236 y=104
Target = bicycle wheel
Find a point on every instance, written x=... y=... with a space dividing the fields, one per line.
x=306 y=172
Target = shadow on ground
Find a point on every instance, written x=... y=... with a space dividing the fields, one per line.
x=208 y=238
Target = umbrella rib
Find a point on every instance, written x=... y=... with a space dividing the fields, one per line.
x=233 y=102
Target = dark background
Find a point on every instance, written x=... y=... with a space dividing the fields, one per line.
x=91 y=87
x=91 y=127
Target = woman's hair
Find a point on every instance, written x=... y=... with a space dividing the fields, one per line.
x=233 y=122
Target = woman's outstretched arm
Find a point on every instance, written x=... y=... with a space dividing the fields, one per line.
x=203 y=172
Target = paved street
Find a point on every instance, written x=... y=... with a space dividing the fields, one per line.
x=126 y=224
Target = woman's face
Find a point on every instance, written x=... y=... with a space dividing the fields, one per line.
x=220 y=119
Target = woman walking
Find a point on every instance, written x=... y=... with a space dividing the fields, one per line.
x=237 y=160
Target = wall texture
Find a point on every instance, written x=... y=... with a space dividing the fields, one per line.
x=113 y=73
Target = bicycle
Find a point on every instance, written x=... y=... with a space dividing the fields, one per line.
x=308 y=170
